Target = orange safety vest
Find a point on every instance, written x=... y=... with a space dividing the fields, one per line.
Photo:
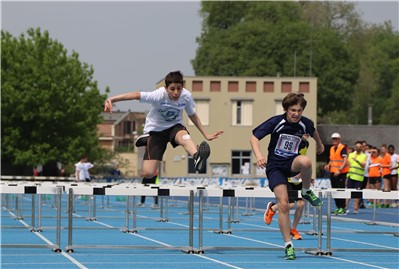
x=336 y=160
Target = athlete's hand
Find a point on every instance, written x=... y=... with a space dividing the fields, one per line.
x=320 y=149
x=261 y=163
x=108 y=106
x=214 y=136
x=337 y=173
x=312 y=181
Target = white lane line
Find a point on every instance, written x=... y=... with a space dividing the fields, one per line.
x=363 y=243
x=226 y=264
x=361 y=263
x=161 y=243
x=50 y=243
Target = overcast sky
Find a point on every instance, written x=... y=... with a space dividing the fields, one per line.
x=133 y=45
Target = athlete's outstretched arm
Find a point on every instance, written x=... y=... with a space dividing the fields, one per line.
x=122 y=97
x=197 y=122
x=319 y=144
x=260 y=160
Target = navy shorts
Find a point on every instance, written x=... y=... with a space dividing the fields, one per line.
x=277 y=173
x=354 y=184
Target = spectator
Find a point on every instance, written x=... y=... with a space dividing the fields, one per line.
x=36 y=172
x=338 y=167
x=375 y=173
x=62 y=172
x=357 y=162
x=350 y=150
x=80 y=169
x=88 y=166
x=394 y=171
x=365 y=150
x=116 y=171
x=386 y=173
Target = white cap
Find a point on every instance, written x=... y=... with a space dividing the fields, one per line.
x=336 y=135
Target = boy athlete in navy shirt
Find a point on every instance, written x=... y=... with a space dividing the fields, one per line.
x=284 y=160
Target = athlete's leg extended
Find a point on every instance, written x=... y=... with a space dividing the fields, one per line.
x=183 y=138
x=284 y=222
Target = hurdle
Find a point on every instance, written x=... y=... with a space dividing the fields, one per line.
x=240 y=192
x=356 y=194
x=33 y=190
x=134 y=191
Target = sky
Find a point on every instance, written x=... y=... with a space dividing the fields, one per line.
x=133 y=45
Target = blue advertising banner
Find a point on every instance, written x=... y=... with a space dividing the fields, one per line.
x=226 y=182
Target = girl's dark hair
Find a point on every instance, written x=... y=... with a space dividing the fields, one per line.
x=174 y=77
x=294 y=99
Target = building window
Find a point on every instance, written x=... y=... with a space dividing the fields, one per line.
x=250 y=86
x=304 y=87
x=241 y=162
x=202 y=110
x=278 y=106
x=241 y=113
x=286 y=87
x=268 y=86
x=127 y=127
x=233 y=86
x=215 y=86
x=197 y=86
x=191 y=167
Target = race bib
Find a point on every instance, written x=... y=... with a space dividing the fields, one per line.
x=287 y=145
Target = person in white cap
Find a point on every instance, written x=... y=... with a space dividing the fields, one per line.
x=338 y=167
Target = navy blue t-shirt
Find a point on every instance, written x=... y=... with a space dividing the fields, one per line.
x=285 y=137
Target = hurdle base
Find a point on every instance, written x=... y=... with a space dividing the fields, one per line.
x=234 y=221
x=57 y=250
x=162 y=220
x=130 y=231
x=91 y=219
x=190 y=251
x=319 y=253
x=69 y=250
x=371 y=223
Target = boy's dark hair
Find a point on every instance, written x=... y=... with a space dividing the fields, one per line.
x=294 y=99
x=82 y=156
x=174 y=77
x=391 y=146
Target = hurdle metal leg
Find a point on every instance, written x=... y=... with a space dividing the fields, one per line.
x=70 y=221
x=190 y=250
x=58 y=240
x=374 y=222
x=200 y=222
x=32 y=229
x=39 y=217
x=220 y=231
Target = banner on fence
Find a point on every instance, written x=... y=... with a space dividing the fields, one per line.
x=225 y=182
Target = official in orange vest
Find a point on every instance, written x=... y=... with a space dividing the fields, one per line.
x=338 y=167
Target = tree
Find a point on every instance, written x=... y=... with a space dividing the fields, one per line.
x=260 y=39
x=50 y=103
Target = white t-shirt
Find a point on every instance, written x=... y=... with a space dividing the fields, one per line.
x=166 y=113
x=394 y=160
x=80 y=168
x=366 y=167
x=87 y=167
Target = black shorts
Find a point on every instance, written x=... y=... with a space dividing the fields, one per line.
x=387 y=176
x=158 y=141
x=374 y=180
x=293 y=191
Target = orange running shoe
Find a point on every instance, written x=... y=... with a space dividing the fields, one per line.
x=269 y=213
x=295 y=235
